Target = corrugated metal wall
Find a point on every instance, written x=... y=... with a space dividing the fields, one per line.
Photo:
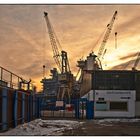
x=113 y=80
x=117 y=80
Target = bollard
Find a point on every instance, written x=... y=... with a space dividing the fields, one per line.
x=4 y=109
x=23 y=107
x=15 y=108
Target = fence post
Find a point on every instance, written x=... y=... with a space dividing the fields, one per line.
x=4 y=109
x=23 y=107
x=15 y=108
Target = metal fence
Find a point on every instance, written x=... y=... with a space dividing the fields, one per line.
x=74 y=109
x=17 y=107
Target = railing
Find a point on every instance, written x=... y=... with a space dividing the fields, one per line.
x=10 y=79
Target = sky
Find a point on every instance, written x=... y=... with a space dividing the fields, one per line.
x=25 y=46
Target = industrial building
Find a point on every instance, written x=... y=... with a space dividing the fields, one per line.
x=115 y=93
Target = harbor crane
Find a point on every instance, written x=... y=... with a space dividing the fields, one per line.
x=93 y=61
x=106 y=36
x=61 y=59
x=96 y=59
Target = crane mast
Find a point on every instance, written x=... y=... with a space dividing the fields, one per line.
x=109 y=28
x=53 y=41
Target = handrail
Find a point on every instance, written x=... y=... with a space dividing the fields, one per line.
x=8 y=82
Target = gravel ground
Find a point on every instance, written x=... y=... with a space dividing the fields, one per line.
x=107 y=127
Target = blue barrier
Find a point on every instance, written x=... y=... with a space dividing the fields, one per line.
x=33 y=107
x=28 y=109
x=80 y=105
x=76 y=107
x=36 y=107
x=90 y=110
x=15 y=108
x=39 y=109
x=23 y=107
x=4 y=109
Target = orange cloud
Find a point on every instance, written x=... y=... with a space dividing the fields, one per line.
x=25 y=44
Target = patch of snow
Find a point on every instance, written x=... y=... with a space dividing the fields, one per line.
x=43 y=128
x=109 y=122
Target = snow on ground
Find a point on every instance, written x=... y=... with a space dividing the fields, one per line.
x=43 y=128
x=109 y=122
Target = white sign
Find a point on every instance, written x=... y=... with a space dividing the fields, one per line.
x=59 y=103
x=115 y=95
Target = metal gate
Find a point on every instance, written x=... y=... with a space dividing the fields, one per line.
x=74 y=109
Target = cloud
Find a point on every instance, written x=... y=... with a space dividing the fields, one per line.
x=131 y=55
x=25 y=44
x=126 y=66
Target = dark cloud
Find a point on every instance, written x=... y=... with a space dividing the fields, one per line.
x=130 y=55
x=126 y=66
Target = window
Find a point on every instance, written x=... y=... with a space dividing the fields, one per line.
x=118 y=106
x=101 y=106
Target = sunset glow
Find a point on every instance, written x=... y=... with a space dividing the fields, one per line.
x=25 y=46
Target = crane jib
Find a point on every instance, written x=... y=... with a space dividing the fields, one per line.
x=106 y=37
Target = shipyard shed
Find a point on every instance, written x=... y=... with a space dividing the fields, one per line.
x=115 y=93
